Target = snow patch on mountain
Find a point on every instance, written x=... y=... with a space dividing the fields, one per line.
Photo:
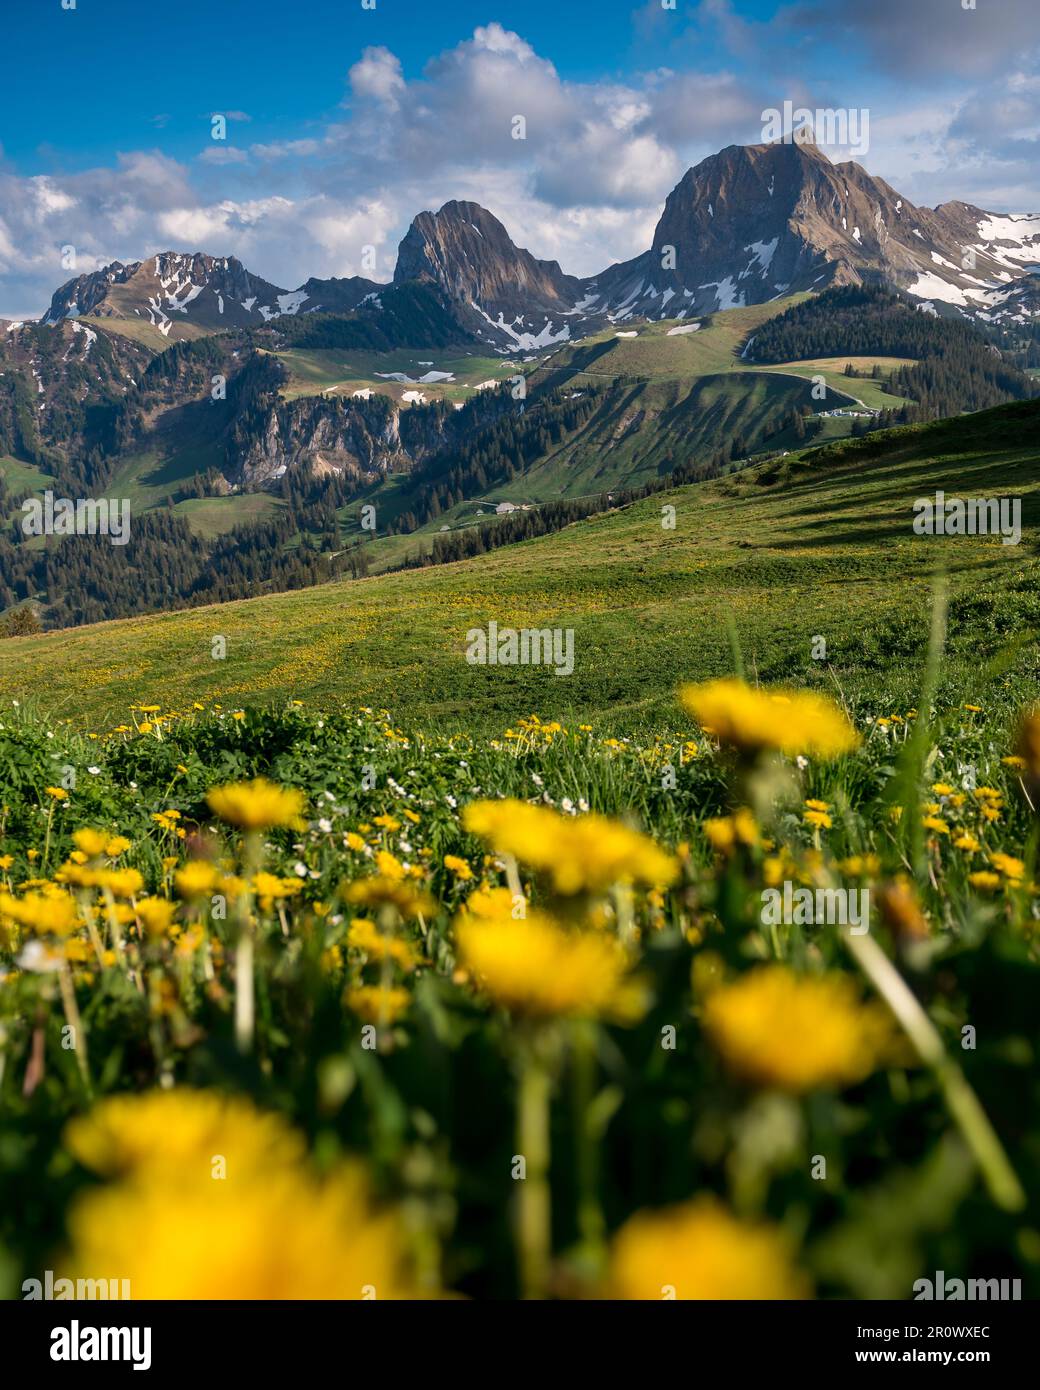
x=543 y=338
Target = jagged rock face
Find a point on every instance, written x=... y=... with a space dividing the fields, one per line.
x=755 y=222
x=357 y=439
x=175 y=292
x=746 y=225
x=514 y=301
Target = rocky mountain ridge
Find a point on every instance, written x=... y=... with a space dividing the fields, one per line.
x=744 y=226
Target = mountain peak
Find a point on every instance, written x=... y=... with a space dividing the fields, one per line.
x=467 y=252
x=755 y=222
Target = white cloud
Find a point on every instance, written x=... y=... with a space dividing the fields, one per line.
x=492 y=38
x=377 y=76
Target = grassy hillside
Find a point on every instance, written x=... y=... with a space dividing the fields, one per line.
x=784 y=552
x=141 y=331
x=687 y=395
x=650 y=427
x=337 y=371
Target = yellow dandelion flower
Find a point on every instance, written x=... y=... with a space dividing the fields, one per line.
x=860 y=866
x=985 y=880
x=378 y=1004
x=382 y=891
x=257 y=805
x=750 y=719
x=269 y=889
x=272 y=1231
x=43 y=912
x=967 y=842
x=1008 y=865
x=723 y=833
x=935 y=823
x=57 y=793
x=196 y=879
x=458 y=867
x=364 y=935
x=535 y=968
x=700 y=1250
x=156 y=915
x=388 y=865
x=796 y=1032
x=91 y=842
x=121 y=883
x=580 y=854
x=819 y=820
x=171 y=1134
x=290 y=1237
x=494 y=904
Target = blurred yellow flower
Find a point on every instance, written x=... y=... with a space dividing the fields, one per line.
x=986 y=880
x=382 y=891
x=269 y=889
x=796 y=1032
x=41 y=912
x=1008 y=865
x=534 y=967
x=364 y=935
x=458 y=867
x=388 y=865
x=257 y=805
x=174 y=1134
x=197 y=878
x=723 y=833
x=214 y=1201
x=288 y=1237
x=91 y=842
x=378 y=1004
x=156 y=915
x=121 y=883
x=748 y=718
x=901 y=911
x=702 y=1251
x=579 y=853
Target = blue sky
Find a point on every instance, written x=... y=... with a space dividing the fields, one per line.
x=343 y=122
x=283 y=64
